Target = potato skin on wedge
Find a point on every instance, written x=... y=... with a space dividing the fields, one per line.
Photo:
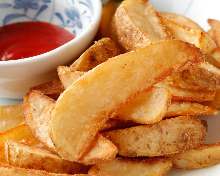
x=204 y=156
x=117 y=80
x=167 y=137
x=128 y=167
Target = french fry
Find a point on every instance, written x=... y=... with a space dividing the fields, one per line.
x=204 y=156
x=164 y=138
x=191 y=35
x=20 y=155
x=117 y=80
x=215 y=59
x=16 y=171
x=136 y=24
x=189 y=109
x=21 y=133
x=52 y=89
x=99 y=52
x=179 y=19
x=10 y=116
x=126 y=167
x=179 y=94
x=215 y=30
x=216 y=102
x=67 y=76
x=38 y=109
x=146 y=108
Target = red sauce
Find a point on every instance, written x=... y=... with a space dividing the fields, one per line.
x=26 y=39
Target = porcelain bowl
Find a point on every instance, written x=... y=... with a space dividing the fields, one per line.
x=80 y=17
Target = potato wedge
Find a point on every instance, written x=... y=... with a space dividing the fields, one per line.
x=167 y=137
x=189 y=109
x=16 y=171
x=117 y=80
x=52 y=89
x=216 y=102
x=136 y=24
x=11 y=116
x=179 y=94
x=191 y=35
x=215 y=59
x=38 y=109
x=179 y=19
x=146 y=108
x=126 y=167
x=99 y=52
x=68 y=76
x=215 y=28
x=204 y=156
x=20 y=155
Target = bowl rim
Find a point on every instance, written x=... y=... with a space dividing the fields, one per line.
x=44 y=56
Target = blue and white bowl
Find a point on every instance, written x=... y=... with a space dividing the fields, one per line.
x=80 y=17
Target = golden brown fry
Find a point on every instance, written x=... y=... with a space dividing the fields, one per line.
x=11 y=116
x=215 y=57
x=16 y=171
x=20 y=155
x=38 y=109
x=204 y=156
x=99 y=52
x=191 y=35
x=146 y=108
x=52 y=89
x=179 y=19
x=179 y=94
x=215 y=30
x=188 y=108
x=68 y=76
x=167 y=137
x=101 y=91
x=136 y=24
x=126 y=167
x=216 y=102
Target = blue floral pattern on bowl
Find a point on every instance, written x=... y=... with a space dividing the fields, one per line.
x=73 y=15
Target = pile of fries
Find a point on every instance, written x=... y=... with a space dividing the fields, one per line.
x=130 y=105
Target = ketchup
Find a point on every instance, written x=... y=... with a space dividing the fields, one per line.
x=26 y=39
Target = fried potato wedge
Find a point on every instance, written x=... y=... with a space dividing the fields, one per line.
x=21 y=133
x=189 y=109
x=164 y=138
x=179 y=19
x=215 y=59
x=52 y=89
x=191 y=35
x=216 y=102
x=117 y=80
x=136 y=24
x=204 y=156
x=99 y=52
x=179 y=94
x=11 y=116
x=16 y=171
x=38 y=109
x=146 y=108
x=68 y=76
x=126 y=167
x=20 y=155
x=215 y=30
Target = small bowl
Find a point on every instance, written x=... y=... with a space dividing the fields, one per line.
x=81 y=17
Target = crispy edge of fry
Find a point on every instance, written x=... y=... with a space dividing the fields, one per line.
x=147 y=107
x=68 y=76
x=73 y=147
x=129 y=167
x=215 y=31
x=204 y=156
x=126 y=28
x=216 y=102
x=189 y=109
x=98 y=53
x=159 y=139
x=11 y=116
x=29 y=157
